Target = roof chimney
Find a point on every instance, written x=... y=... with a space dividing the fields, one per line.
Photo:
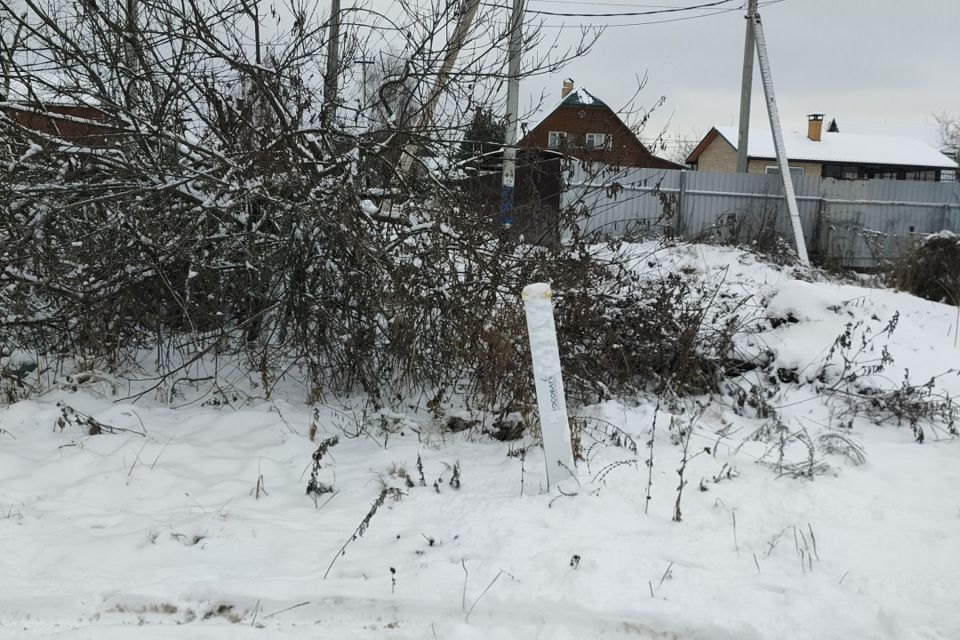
x=567 y=87
x=814 y=126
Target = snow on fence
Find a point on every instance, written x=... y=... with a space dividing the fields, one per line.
x=846 y=223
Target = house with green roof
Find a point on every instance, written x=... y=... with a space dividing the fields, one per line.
x=583 y=126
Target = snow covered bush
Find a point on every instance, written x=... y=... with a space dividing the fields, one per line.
x=217 y=200
x=666 y=332
x=930 y=268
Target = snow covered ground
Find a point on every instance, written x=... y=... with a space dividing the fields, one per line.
x=201 y=529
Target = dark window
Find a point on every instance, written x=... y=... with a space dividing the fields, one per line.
x=598 y=141
x=834 y=171
x=920 y=174
x=843 y=172
x=557 y=139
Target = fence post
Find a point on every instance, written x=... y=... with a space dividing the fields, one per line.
x=678 y=225
x=548 y=379
x=820 y=231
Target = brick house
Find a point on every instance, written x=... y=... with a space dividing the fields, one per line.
x=825 y=154
x=584 y=127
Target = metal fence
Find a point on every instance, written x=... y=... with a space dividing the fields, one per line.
x=846 y=223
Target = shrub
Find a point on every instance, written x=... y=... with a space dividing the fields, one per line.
x=930 y=268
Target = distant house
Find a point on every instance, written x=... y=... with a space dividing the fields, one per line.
x=825 y=154
x=79 y=124
x=583 y=126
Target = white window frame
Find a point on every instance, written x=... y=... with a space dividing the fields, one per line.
x=556 y=139
x=598 y=141
x=772 y=169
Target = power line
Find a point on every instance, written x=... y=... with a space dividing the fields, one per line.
x=623 y=14
x=606 y=4
x=637 y=24
x=628 y=14
x=707 y=14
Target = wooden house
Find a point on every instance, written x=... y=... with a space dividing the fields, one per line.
x=583 y=126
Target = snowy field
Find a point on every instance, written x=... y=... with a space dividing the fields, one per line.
x=192 y=522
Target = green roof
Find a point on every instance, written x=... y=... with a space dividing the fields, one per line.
x=580 y=97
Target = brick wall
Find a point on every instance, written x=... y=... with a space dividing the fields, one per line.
x=718 y=157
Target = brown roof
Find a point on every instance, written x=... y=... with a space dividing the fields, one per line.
x=700 y=148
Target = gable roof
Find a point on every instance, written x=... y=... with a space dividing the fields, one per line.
x=853 y=148
x=579 y=97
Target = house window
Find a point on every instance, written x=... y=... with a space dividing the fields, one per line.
x=841 y=171
x=851 y=172
x=921 y=175
x=834 y=171
x=774 y=170
x=557 y=139
x=598 y=141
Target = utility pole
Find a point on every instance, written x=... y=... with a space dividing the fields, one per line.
x=333 y=66
x=131 y=45
x=746 y=88
x=513 y=107
x=256 y=32
x=777 y=131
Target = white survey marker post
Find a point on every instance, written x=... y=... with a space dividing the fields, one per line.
x=551 y=402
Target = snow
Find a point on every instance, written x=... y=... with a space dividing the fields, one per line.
x=843 y=147
x=580 y=96
x=173 y=534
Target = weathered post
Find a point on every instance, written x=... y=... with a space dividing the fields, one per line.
x=551 y=401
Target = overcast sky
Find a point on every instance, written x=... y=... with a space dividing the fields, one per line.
x=874 y=65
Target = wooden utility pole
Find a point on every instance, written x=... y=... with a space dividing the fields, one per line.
x=777 y=131
x=746 y=89
x=513 y=107
x=453 y=50
x=333 y=66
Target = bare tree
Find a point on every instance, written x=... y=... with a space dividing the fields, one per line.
x=680 y=144
x=172 y=188
x=949 y=132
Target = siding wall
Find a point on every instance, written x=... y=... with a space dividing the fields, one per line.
x=849 y=223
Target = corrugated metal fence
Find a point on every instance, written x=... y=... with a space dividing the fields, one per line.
x=845 y=222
